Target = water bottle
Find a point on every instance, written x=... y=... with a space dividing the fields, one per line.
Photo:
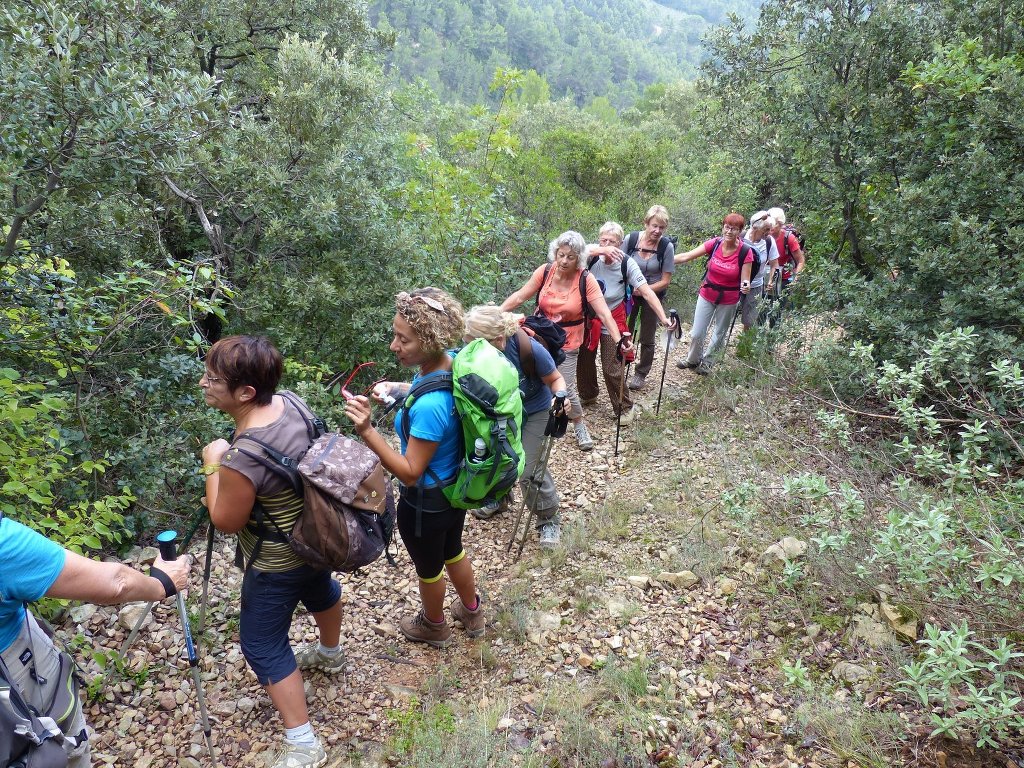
x=479 y=450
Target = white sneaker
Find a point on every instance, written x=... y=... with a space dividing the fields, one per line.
x=583 y=438
x=627 y=418
x=550 y=535
x=488 y=510
x=294 y=756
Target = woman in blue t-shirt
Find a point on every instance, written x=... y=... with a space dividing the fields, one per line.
x=501 y=330
x=427 y=322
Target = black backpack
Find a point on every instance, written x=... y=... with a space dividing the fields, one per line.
x=550 y=334
x=789 y=229
x=755 y=268
x=633 y=238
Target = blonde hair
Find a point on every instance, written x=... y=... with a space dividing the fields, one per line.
x=489 y=322
x=659 y=212
x=435 y=317
x=612 y=228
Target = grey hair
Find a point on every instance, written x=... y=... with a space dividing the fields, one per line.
x=762 y=217
x=778 y=214
x=612 y=228
x=575 y=241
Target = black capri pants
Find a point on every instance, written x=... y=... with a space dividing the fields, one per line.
x=440 y=532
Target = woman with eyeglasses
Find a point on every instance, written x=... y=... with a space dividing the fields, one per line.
x=726 y=279
x=617 y=272
x=427 y=322
x=561 y=291
x=759 y=236
x=242 y=490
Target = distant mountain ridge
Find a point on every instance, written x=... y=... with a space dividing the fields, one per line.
x=586 y=48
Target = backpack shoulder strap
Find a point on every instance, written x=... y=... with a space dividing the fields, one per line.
x=526 y=361
x=662 y=249
x=315 y=426
x=543 y=282
x=433 y=383
x=624 y=267
x=584 y=274
x=631 y=240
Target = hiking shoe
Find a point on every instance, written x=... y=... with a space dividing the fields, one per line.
x=295 y=756
x=471 y=621
x=420 y=629
x=703 y=369
x=310 y=656
x=636 y=381
x=686 y=365
x=550 y=535
x=488 y=510
x=583 y=438
x=626 y=418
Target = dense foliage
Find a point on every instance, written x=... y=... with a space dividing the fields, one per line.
x=586 y=50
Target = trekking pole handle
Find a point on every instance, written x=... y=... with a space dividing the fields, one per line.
x=166 y=541
x=678 y=330
x=560 y=396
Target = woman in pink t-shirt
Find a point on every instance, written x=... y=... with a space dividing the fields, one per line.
x=726 y=280
x=557 y=289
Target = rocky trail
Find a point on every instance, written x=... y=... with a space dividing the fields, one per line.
x=651 y=582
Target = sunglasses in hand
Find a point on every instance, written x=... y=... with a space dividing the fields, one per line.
x=340 y=383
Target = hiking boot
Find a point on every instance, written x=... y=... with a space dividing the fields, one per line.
x=686 y=365
x=295 y=756
x=550 y=535
x=420 y=629
x=703 y=369
x=489 y=510
x=310 y=656
x=636 y=381
x=626 y=418
x=471 y=621
x=583 y=438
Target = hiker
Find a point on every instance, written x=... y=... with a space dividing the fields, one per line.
x=759 y=236
x=502 y=330
x=561 y=294
x=35 y=567
x=427 y=322
x=241 y=378
x=726 y=278
x=791 y=256
x=617 y=272
x=654 y=253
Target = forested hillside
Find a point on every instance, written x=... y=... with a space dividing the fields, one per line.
x=173 y=171
x=581 y=49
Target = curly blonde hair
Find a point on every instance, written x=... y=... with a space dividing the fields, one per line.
x=435 y=317
x=488 y=322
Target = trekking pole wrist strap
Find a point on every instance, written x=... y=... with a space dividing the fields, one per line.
x=163 y=578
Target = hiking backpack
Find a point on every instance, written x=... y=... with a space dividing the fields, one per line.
x=789 y=229
x=550 y=334
x=633 y=239
x=348 y=510
x=27 y=738
x=755 y=268
x=485 y=386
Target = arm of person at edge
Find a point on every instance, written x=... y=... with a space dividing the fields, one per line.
x=408 y=467
x=230 y=495
x=745 y=277
x=611 y=254
x=528 y=290
x=111 y=583
x=799 y=258
x=394 y=389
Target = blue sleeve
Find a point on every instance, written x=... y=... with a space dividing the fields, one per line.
x=31 y=562
x=542 y=359
x=430 y=416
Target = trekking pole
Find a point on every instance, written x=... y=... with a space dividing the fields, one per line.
x=200 y=515
x=165 y=541
x=206 y=579
x=558 y=421
x=622 y=386
x=739 y=311
x=678 y=331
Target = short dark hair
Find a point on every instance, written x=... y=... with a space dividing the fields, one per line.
x=247 y=361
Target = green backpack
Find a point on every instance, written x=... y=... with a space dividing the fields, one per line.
x=485 y=386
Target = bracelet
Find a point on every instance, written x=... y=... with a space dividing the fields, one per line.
x=165 y=580
x=209 y=469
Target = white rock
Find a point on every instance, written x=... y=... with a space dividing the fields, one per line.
x=643 y=582
x=129 y=615
x=680 y=580
x=728 y=586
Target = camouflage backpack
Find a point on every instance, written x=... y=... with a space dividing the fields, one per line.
x=348 y=510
